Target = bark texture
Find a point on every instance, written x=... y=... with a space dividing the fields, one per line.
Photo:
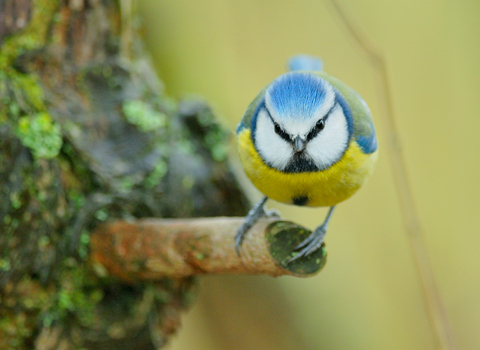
x=86 y=135
x=151 y=249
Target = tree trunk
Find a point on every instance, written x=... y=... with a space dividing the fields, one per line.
x=87 y=134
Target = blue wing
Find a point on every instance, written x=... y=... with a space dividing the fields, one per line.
x=356 y=111
x=368 y=143
x=366 y=137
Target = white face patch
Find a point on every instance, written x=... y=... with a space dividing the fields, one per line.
x=272 y=148
x=328 y=146
x=324 y=150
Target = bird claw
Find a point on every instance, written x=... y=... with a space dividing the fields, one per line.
x=242 y=230
x=309 y=245
x=272 y=213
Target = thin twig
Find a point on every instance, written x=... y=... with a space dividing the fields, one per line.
x=443 y=332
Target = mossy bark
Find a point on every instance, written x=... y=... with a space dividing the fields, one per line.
x=87 y=134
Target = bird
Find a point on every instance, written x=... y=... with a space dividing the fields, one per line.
x=307 y=139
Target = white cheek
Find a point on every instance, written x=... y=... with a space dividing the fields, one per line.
x=272 y=148
x=330 y=144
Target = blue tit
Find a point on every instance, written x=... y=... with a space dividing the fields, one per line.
x=307 y=139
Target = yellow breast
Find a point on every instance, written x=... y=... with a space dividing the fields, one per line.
x=322 y=188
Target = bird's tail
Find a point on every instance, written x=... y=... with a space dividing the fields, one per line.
x=304 y=62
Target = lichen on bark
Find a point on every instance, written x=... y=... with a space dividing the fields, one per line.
x=87 y=134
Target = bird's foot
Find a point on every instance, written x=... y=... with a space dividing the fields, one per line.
x=310 y=244
x=255 y=214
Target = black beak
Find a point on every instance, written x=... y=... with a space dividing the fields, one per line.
x=298 y=144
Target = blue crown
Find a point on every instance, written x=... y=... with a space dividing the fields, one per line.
x=295 y=95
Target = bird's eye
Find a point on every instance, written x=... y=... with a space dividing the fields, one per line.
x=320 y=125
x=281 y=133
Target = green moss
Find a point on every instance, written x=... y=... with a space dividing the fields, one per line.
x=21 y=94
x=185 y=146
x=168 y=104
x=76 y=175
x=84 y=244
x=77 y=198
x=28 y=96
x=159 y=171
x=15 y=201
x=43 y=241
x=33 y=37
x=215 y=137
x=187 y=182
x=219 y=152
x=283 y=237
x=75 y=296
x=31 y=96
x=142 y=115
x=14 y=329
x=42 y=135
x=126 y=184
x=5 y=264
x=215 y=141
x=102 y=214
x=7 y=219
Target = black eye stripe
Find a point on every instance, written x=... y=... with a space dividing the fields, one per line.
x=281 y=132
x=278 y=129
x=317 y=128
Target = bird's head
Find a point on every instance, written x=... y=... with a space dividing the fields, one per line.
x=300 y=125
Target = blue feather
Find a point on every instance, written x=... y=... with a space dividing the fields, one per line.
x=240 y=126
x=253 y=124
x=346 y=111
x=368 y=144
x=294 y=95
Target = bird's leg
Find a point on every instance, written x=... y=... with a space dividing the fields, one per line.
x=314 y=241
x=256 y=213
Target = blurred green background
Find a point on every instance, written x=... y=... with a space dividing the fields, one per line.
x=368 y=295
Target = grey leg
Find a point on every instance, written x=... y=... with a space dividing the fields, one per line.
x=314 y=241
x=256 y=213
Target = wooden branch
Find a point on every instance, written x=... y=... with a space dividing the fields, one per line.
x=152 y=249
